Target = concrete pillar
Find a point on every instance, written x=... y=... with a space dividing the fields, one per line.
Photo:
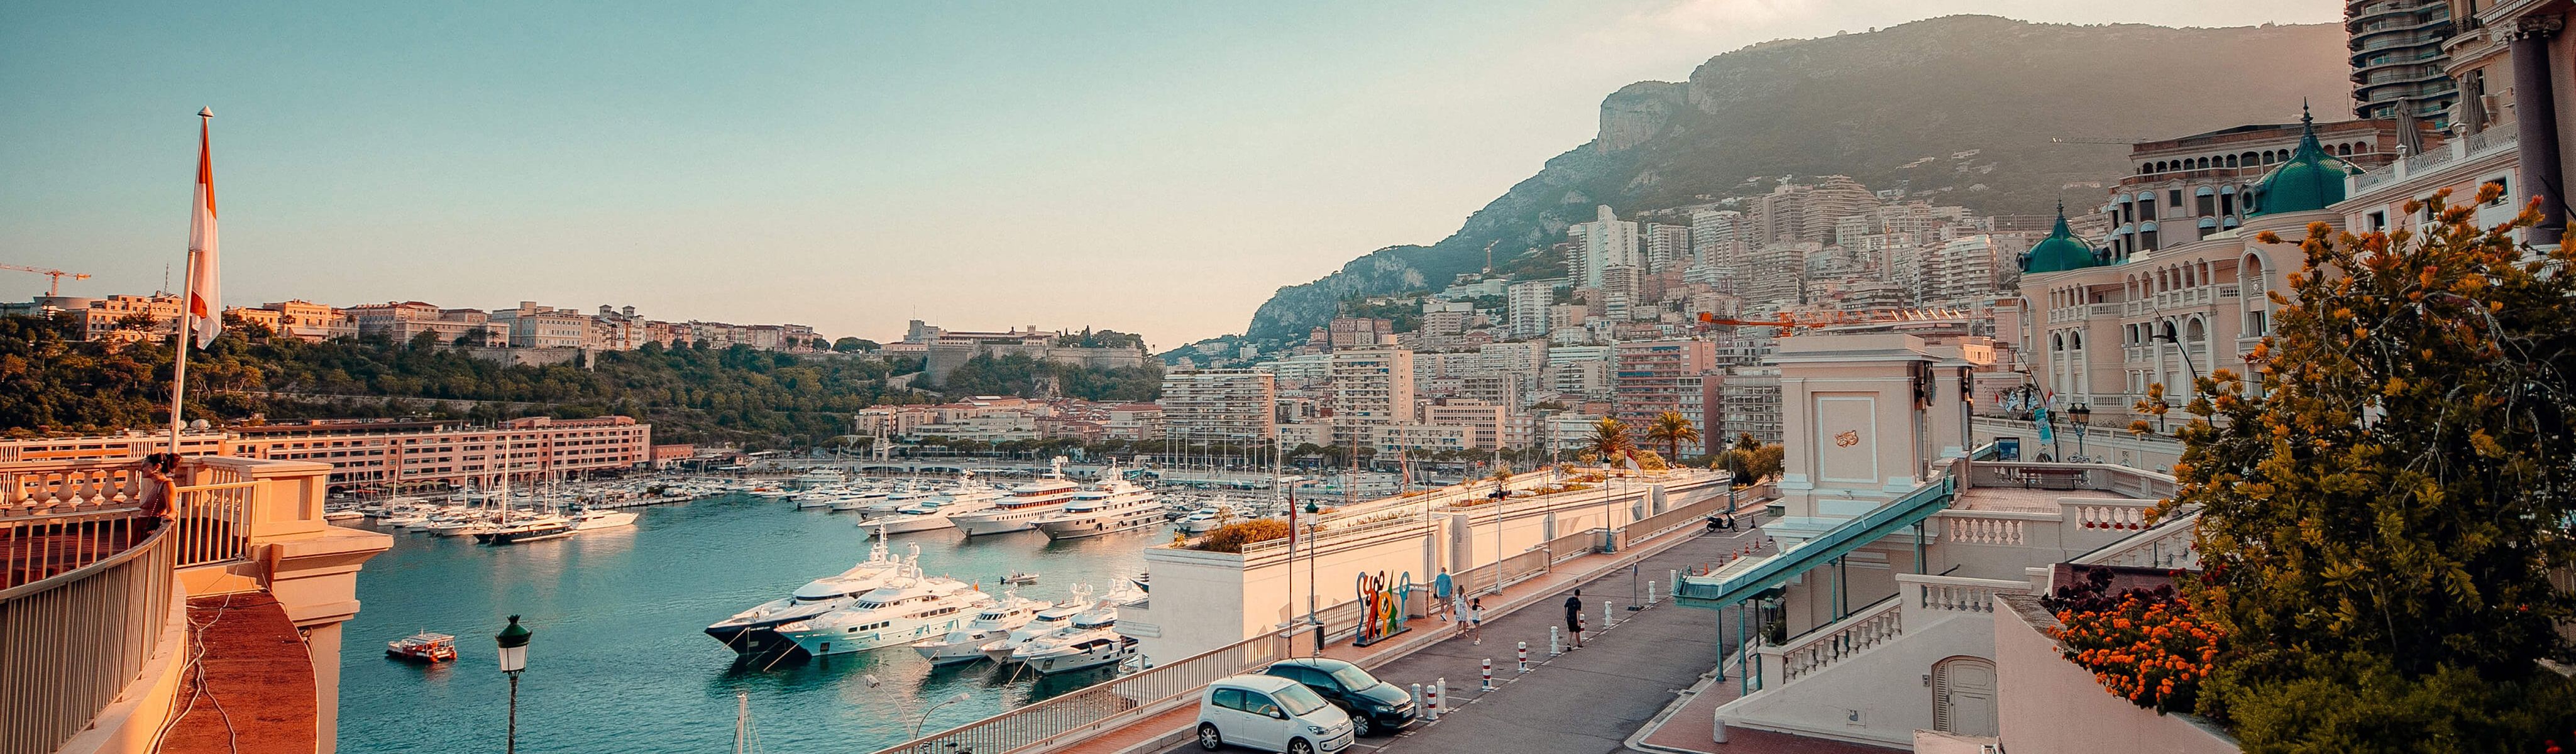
x=2535 y=109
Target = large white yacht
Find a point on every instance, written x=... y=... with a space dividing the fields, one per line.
x=850 y=500
x=1042 y=497
x=966 y=644
x=938 y=512
x=1045 y=622
x=908 y=609
x=1091 y=641
x=1116 y=505
x=754 y=631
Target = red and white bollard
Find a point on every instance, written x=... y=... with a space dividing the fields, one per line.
x=1431 y=703
x=1524 y=650
x=1489 y=676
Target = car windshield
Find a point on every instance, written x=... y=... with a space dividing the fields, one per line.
x=1352 y=678
x=1299 y=700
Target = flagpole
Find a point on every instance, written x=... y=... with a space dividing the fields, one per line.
x=188 y=289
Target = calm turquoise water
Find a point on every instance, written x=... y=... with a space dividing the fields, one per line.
x=618 y=662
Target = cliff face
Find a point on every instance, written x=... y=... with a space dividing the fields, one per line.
x=1957 y=110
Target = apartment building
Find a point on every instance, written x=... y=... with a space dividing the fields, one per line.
x=401 y=321
x=1227 y=405
x=1655 y=377
x=1484 y=422
x=366 y=452
x=533 y=326
x=2398 y=65
x=1372 y=386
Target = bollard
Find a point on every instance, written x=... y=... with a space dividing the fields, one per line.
x=1718 y=731
x=1676 y=574
x=1420 y=702
x=1609 y=614
x=1524 y=650
x=1650 y=594
x=1431 y=705
x=1488 y=683
x=1555 y=642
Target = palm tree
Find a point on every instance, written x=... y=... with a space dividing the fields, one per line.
x=1672 y=429
x=1609 y=439
x=1502 y=479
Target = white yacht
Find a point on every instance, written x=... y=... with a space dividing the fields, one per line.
x=856 y=499
x=1045 y=622
x=817 y=498
x=966 y=644
x=1042 y=497
x=602 y=519
x=910 y=608
x=1117 y=505
x=754 y=631
x=1091 y=641
x=821 y=476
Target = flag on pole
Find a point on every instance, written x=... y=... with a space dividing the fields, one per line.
x=205 y=289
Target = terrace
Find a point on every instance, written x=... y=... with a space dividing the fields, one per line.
x=98 y=598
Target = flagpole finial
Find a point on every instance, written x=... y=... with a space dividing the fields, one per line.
x=206 y=113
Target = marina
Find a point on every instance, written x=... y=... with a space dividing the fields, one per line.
x=621 y=616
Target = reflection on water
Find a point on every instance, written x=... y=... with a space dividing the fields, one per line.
x=618 y=661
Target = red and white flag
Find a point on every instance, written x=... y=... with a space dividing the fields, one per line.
x=205 y=287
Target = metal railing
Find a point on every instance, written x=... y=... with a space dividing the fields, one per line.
x=1099 y=707
x=75 y=640
x=38 y=547
x=212 y=523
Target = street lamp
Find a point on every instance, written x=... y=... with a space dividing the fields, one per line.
x=1311 y=511
x=925 y=714
x=2083 y=416
x=514 y=658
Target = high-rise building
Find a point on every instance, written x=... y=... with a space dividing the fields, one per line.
x=1655 y=377
x=1604 y=242
x=1526 y=304
x=1748 y=403
x=1223 y=405
x=1716 y=240
x=1667 y=246
x=2398 y=58
x=1372 y=386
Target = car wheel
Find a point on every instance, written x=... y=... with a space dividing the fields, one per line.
x=1360 y=725
x=1208 y=738
x=1299 y=746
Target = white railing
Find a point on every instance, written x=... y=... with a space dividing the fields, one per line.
x=211 y=523
x=1983 y=528
x=1816 y=650
x=1102 y=706
x=2104 y=514
x=39 y=487
x=2171 y=544
x=77 y=639
x=1954 y=594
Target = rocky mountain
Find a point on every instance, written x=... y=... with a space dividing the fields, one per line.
x=1955 y=110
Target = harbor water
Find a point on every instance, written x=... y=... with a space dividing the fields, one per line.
x=619 y=661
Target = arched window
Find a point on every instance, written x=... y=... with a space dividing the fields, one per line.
x=2075 y=341
x=2344 y=150
x=2056 y=342
x=2231 y=160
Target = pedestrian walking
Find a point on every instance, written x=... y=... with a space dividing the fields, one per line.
x=1476 y=620
x=1574 y=617
x=1440 y=590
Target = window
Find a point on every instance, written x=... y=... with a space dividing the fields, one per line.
x=2147 y=208
x=2505 y=192
x=1229 y=698
x=2379 y=220
x=2173 y=197
x=1300 y=700
x=2208 y=205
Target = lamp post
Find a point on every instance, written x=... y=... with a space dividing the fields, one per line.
x=925 y=714
x=1311 y=511
x=2083 y=416
x=2171 y=335
x=513 y=640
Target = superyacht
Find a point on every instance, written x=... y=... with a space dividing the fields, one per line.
x=1117 y=505
x=908 y=609
x=755 y=631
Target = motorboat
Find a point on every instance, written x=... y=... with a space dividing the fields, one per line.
x=754 y=631
x=1021 y=577
x=1116 y=506
x=423 y=647
x=930 y=515
x=1203 y=520
x=343 y=515
x=857 y=500
x=821 y=476
x=1017 y=511
x=817 y=498
x=966 y=644
x=1090 y=642
x=594 y=519
x=910 y=608
x=1045 y=622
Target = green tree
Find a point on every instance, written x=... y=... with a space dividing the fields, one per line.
x=1672 y=429
x=853 y=345
x=1609 y=438
x=2381 y=509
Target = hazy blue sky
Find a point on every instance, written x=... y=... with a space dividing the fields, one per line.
x=1146 y=167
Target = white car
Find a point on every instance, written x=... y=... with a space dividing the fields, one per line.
x=1269 y=713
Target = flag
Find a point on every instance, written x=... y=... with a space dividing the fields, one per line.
x=205 y=288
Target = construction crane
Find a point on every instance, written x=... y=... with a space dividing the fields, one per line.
x=1788 y=322
x=56 y=287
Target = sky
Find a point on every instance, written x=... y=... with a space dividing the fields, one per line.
x=1146 y=167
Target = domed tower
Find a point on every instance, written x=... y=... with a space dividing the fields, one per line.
x=2310 y=180
x=2060 y=251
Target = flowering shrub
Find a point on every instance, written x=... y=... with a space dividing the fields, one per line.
x=2145 y=646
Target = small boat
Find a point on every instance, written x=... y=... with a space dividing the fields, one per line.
x=532 y=530
x=342 y=515
x=600 y=519
x=1021 y=577
x=423 y=647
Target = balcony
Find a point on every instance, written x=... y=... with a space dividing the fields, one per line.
x=112 y=589
x=2474 y=146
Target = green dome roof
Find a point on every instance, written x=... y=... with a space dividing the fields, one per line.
x=2310 y=180
x=2060 y=251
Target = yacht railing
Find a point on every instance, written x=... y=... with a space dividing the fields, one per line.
x=76 y=639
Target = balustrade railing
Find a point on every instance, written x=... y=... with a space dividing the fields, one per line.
x=211 y=523
x=1953 y=594
x=2170 y=544
x=2128 y=515
x=38 y=487
x=1977 y=528
x=1879 y=623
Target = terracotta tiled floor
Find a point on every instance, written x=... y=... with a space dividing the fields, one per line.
x=256 y=695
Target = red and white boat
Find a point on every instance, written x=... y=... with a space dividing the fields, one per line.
x=423 y=647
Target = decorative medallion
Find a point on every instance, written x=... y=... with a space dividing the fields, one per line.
x=1848 y=438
